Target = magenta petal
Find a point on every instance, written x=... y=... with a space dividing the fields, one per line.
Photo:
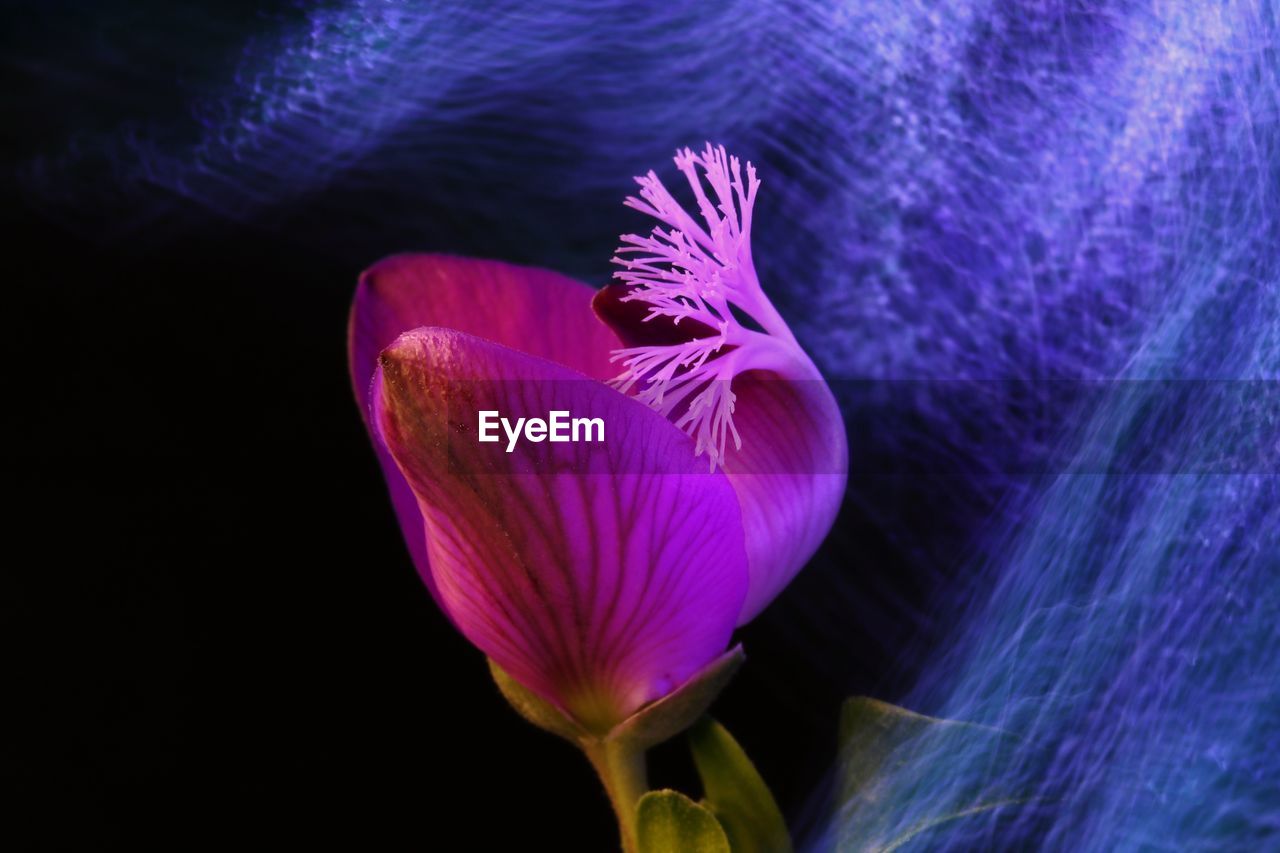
x=791 y=471
x=538 y=311
x=790 y=476
x=533 y=310
x=599 y=575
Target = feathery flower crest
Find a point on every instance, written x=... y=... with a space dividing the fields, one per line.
x=688 y=271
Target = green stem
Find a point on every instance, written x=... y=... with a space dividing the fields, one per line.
x=621 y=767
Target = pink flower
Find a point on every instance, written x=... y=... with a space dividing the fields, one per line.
x=602 y=575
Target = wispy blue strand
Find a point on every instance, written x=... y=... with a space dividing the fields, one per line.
x=1131 y=640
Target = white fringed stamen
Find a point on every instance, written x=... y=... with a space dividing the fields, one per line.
x=687 y=270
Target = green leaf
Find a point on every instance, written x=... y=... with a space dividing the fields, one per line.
x=735 y=793
x=670 y=822
x=675 y=712
x=890 y=791
x=651 y=725
x=534 y=708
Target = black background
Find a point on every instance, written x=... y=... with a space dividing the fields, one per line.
x=222 y=638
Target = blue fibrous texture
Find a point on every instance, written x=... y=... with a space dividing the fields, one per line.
x=1083 y=196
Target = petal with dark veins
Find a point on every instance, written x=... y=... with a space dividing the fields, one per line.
x=534 y=310
x=600 y=575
